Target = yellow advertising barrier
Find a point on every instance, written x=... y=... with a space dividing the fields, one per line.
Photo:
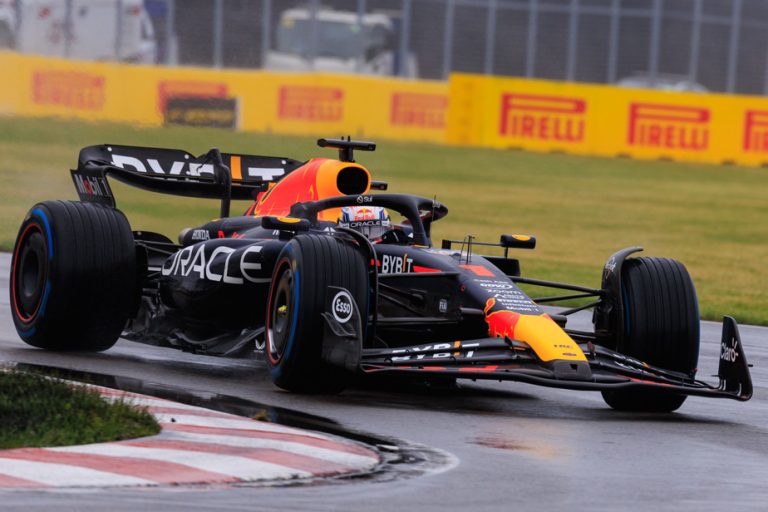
x=486 y=111
x=603 y=120
x=277 y=102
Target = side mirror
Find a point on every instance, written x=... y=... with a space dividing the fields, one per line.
x=518 y=241
x=285 y=223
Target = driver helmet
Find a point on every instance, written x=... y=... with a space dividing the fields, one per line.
x=371 y=221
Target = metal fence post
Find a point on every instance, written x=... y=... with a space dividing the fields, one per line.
x=68 y=23
x=405 y=37
x=171 y=56
x=765 y=77
x=448 y=39
x=530 y=49
x=653 y=51
x=266 y=30
x=613 y=41
x=311 y=51
x=733 y=46
x=573 y=40
x=19 y=16
x=361 y=8
x=218 y=32
x=490 y=37
x=693 y=61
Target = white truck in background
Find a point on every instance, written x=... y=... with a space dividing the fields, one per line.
x=103 y=30
x=338 y=41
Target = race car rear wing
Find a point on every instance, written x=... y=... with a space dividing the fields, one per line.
x=214 y=175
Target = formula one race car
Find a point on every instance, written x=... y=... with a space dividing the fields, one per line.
x=320 y=275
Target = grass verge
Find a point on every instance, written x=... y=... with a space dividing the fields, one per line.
x=37 y=411
x=582 y=209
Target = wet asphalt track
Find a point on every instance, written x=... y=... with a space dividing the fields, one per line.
x=499 y=446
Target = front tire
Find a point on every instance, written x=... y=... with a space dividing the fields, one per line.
x=661 y=328
x=306 y=267
x=73 y=276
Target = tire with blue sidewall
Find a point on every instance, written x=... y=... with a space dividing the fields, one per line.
x=73 y=276
x=306 y=267
x=661 y=328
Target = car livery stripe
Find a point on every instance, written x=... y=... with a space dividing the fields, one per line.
x=478 y=270
x=235 y=168
x=196 y=446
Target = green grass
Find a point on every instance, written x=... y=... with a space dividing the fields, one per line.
x=38 y=411
x=713 y=218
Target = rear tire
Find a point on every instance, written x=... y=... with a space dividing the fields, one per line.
x=306 y=267
x=73 y=276
x=661 y=328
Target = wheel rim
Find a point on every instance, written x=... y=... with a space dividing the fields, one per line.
x=29 y=273
x=280 y=314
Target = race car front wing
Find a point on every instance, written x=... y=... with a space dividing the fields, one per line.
x=604 y=369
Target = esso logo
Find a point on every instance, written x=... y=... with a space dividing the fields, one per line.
x=341 y=307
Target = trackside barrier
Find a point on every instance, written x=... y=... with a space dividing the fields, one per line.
x=264 y=101
x=488 y=111
x=574 y=118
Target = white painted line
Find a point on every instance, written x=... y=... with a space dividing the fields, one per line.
x=63 y=475
x=238 y=467
x=338 y=457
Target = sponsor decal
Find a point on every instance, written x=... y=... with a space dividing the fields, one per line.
x=545 y=118
x=396 y=264
x=728 y=352
x=442 y=306
x=92 y=186
x=211 y=112
x=436 y=351
x=341 y=307
x=196 y=261
x=365 y=223
x=418 y=109
x=73 y=89
x=310 y=103
x=188 y=89
x=495 y=285
x=501 y=324
x=201 y=235
x=176 y=168
x=756 y=131
x=508 y=296
x=363 y=213
x=364 y=199
x=668 y=126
